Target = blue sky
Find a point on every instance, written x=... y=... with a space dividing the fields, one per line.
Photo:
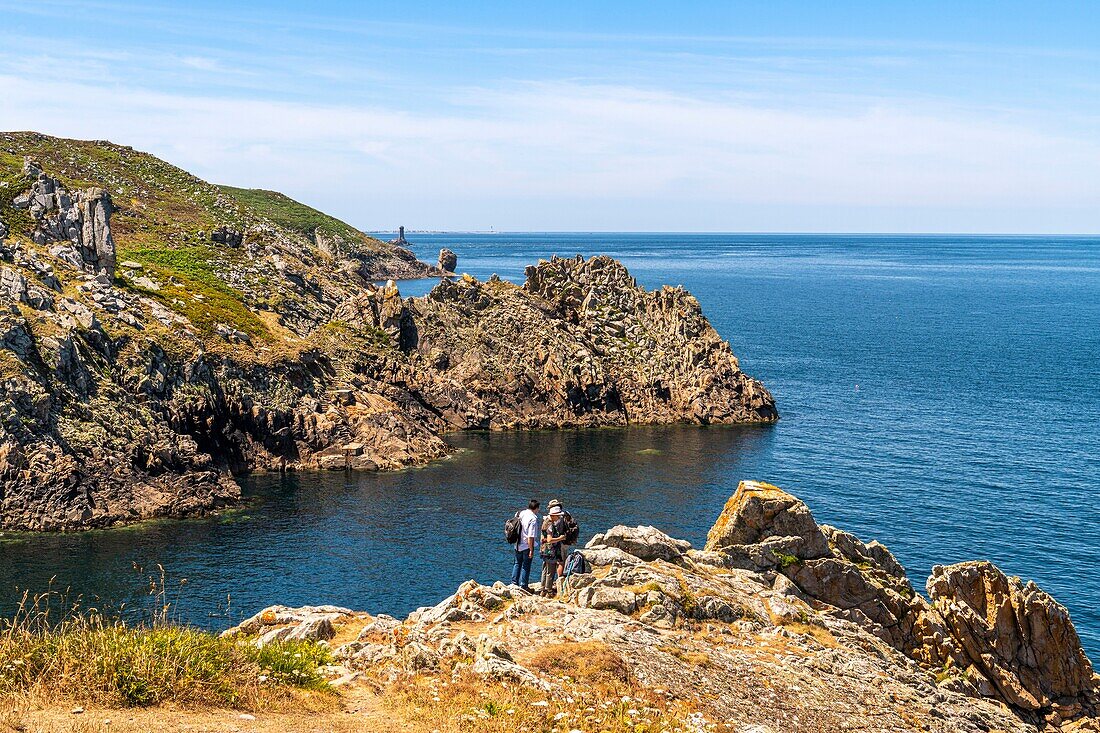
x=692 y=116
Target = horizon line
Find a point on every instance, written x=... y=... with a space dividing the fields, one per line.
x=700 y=232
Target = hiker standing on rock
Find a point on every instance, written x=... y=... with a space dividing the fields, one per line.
x=552 y=550
x=571 y=533
x=525 y=528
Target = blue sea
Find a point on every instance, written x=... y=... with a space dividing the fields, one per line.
x=940 y=394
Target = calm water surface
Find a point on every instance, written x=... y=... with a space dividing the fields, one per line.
x=939 y=394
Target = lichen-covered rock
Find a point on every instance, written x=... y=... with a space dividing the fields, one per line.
x=579 y=345
x=603 y=597
x=282 y=623
x=13 y=286
x=759 y=511
x=492 y=660
x=84 y=220
x=995 y=636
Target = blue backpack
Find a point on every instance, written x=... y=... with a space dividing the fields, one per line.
x=577 y=564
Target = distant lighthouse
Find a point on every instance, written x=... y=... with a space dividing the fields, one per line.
x=400 y=236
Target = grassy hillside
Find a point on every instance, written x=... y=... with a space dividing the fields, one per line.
x=294 y=215
x=293 y=260
x=155 y=197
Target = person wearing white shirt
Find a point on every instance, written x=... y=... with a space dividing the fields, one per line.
x=525 y=548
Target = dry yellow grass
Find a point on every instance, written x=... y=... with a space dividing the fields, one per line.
x=590 y=662
x=464 y=703
x=33 y=714
x=822 y=635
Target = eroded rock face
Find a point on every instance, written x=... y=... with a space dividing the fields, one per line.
x=282 y=623
x=985 y=633
x=227 y=236
x=760 y=511
x=579 y=345
x=119 y=406
x=1013 y=633
x=644 y=543
x=84 y=220
x=448 y=260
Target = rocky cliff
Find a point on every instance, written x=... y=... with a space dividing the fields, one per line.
x=159 y=334
x=778 y=625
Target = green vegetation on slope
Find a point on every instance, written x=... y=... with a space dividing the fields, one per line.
x=193 y=287
x=291 y=214
x=160 y=211
x=163 y=220
x=146 y=190
x=12 y=183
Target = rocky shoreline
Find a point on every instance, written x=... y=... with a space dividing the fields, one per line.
x=150 y=351
x=777 y=624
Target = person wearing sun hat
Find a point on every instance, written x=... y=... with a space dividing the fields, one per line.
x=553 y=534
x=572 y=529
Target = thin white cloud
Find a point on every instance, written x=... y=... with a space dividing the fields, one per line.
x=544 y=147
x=201 y=63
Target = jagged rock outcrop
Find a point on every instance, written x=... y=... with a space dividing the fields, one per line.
x=227 y=236
x=1013 y=635
x=645 y=543
x=239 y=343
x=448 y=260
x=760 y=512
x=741 y=649
x=995 y=635
x=396 y=263
x=280 y=623
x=579 y=344
x=84 y=220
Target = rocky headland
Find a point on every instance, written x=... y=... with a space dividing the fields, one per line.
x=160 y=334
x=778 y=625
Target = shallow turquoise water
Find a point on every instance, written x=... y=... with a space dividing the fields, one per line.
x=939 y=394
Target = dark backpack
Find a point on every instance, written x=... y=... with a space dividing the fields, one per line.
x=572 y=529
x=512 y=528
x=577 y=564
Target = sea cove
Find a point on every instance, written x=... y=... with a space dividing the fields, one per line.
x=936 y=393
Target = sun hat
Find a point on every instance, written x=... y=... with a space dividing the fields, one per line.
x=555 y=510
x=553 y=503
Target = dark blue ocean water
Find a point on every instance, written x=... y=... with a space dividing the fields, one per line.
x=939 y=394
